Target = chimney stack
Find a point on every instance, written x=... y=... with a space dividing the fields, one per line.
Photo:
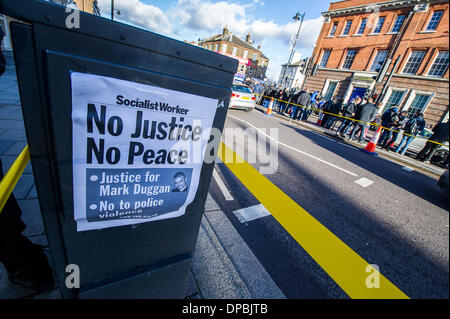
x=225 y=31
x=259 y=46
x=247 y=39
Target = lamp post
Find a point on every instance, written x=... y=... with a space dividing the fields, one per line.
x=297 y=17
x=112 y=10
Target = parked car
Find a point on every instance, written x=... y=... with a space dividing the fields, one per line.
x=440 y=157
x=242 y=97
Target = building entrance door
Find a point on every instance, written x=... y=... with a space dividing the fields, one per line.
x=357 y=91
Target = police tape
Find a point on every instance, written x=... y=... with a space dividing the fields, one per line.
x=11 y=177
x=353 y=120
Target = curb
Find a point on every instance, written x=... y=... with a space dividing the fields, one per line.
x=384 y=154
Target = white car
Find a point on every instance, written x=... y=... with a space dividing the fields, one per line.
x=441 y=156
x=242 y=97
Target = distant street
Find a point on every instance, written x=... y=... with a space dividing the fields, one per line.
x=390 y=215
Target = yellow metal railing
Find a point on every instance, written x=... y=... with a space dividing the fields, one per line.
x=11 y=177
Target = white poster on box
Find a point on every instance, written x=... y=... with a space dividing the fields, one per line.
x=137 y=150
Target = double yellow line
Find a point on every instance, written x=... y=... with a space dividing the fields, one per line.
x=351 y=272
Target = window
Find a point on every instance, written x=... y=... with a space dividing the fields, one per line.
x=255 y=55
x=440 y=65
x=349 y=58
x=419 y=104
x=245 y=54
x=395 y=98
x=333 y=29
x=234 y=51
x=414 y=61
x=398 y=23
x=362 y=26
x=379 y=60
x=325 y=57
x=217 y=47
x=330 y=91
x=379 y=25
x=224 y=48
x=240 y=88
x=347 y=27
x=434 y=21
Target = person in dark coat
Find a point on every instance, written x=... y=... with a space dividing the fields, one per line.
x=440 y=135
x=366 y=114
x=348 y=113
x=398 y=125
x=412 y=127
x=335 y=109
x=388 y=119
x=326 y=112
x=303 y=100
x=25 y=262
x=284 y=100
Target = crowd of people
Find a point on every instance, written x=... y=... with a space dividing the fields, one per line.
x=352 y=120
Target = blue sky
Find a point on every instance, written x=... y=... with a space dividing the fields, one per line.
x=269 y=22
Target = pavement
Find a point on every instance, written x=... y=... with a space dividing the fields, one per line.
x=223 y=266
x=407 y=159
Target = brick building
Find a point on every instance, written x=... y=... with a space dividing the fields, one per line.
x=252 y=62
x=360 y=37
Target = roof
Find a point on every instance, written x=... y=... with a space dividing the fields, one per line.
x=229 y=37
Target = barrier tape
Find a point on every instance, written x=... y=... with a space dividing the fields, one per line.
x=11 y=177
x=353 y=120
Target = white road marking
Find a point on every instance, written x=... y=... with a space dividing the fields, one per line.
x=251 y=213
x=409 y=169
x=221 y=185
x=364 y=182
x=294 y=149
x=348 y=146
x=328 y=138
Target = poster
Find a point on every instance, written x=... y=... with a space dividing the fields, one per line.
x=137 y=150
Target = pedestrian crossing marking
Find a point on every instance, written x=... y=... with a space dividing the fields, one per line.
x=251 y=213
x=364 y=182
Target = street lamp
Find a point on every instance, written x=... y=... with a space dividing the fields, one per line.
x=297 y=17
x=112 y=10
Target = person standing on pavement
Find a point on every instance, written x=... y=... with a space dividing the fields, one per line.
x=413 y=127
x=312 y=104
x=440 y=135
x=304 y=99
x=398 y=125
x=25 y=262
x=326 y=112
x=285 y=98
x=294 y=107
x=366 y=114
x=348 y=113
x=388 y=119
x=335 y=109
